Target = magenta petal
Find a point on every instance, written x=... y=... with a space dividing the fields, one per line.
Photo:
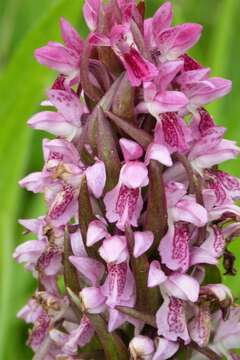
x=91 y=10
x=63 y=207
x=169 y=101
x=162 y=19
x=70 y=36
x=58 y=58
x=142 y=242
x=167 y=72
x=175 y=41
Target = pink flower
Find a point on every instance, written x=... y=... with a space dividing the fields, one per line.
x=124 y=203
x=181 y=286
x=64 y=59
x=121 y=40
x=65 y=123
x=171 y=320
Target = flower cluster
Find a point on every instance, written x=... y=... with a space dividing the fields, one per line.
x=138 y=211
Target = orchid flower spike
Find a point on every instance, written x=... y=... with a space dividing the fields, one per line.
x=138 y=213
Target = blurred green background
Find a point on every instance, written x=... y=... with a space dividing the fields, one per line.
x=28 y=24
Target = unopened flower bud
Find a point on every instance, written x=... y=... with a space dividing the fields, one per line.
x=141 y=348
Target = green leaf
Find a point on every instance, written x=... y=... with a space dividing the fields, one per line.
x=140 y=268
x=123 y=104
x=139 y=135
x=70 y=272
x=112 y=344
x=156 y=214
x=107 y=150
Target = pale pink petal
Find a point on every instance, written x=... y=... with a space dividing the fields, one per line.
x=134 y=174
x=206 y=91
x=215 y=242
x=33 y=225
x=116 y=319
x=188 y=210
x=156 y=276
x=167 y=101
x=218 y=212
x=77 y=244
x=68 y=104
x=160 y=153
x=142 y=242
x=110 y=201
x=52 y=122
x=96 y=178
x=171 y=320
x=114 y=249
x=91 y=269
x=35 y=182
x=202 y=256
x=162 y=19
x=174 y=247
x=165 y=349
x=141 y=347
x=61 y=149
x=93 y=301
x=182 y=286
x=130 y=149
x=97 y=230
x=200 y=327
x=80 y=336
x=174 y=192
